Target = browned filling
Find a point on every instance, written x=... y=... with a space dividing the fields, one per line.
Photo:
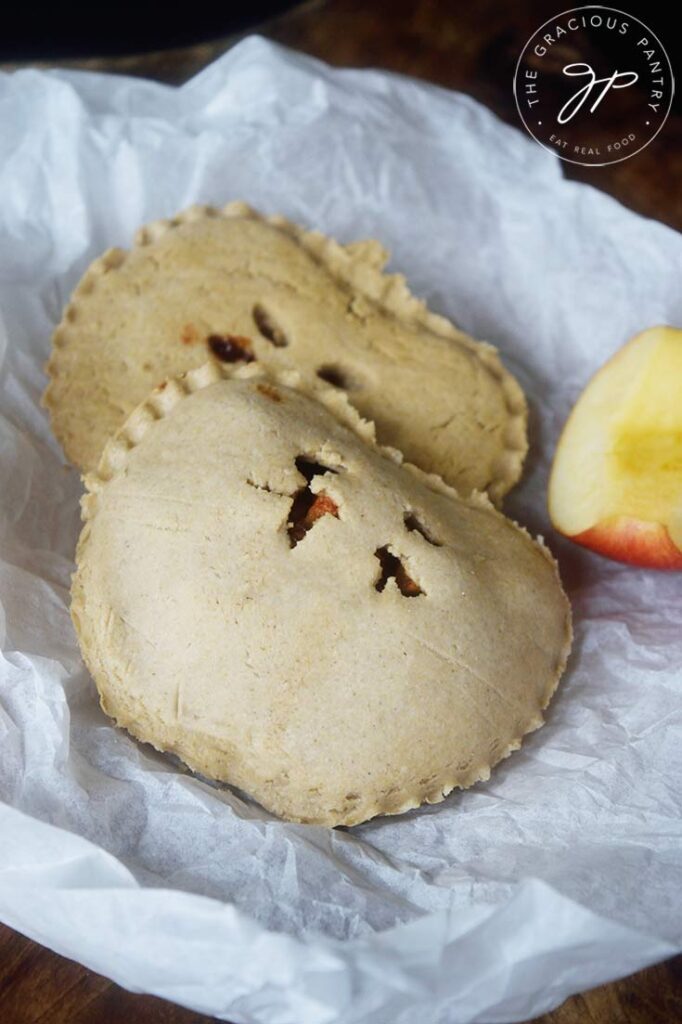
x=231 y=348
x=307 y=508
x=392 y=567
x=414 y=525
x=333 y=375
x=268 y=326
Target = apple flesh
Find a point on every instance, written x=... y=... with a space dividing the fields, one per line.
x=616 y=481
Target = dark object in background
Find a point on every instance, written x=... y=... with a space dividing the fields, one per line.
x=49 y=31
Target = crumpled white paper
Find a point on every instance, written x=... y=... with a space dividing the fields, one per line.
x=562 y=872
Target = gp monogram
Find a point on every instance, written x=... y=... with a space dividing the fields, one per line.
x=604 y=107
x=618 y=80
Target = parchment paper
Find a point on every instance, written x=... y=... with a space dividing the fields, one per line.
x=564 y=870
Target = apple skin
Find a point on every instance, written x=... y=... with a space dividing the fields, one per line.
x=634 y=541
x=616 y=481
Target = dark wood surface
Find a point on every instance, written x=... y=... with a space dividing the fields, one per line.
x=468 y=46
x=39 y=987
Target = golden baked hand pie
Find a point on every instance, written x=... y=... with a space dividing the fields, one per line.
x=233 y=286
x=269 y=595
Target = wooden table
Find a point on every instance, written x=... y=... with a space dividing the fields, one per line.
x=468 y=46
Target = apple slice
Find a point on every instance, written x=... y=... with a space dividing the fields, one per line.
x=616 y=481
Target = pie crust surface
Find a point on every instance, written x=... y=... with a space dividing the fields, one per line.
x=268 y=594
x=232 y=285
